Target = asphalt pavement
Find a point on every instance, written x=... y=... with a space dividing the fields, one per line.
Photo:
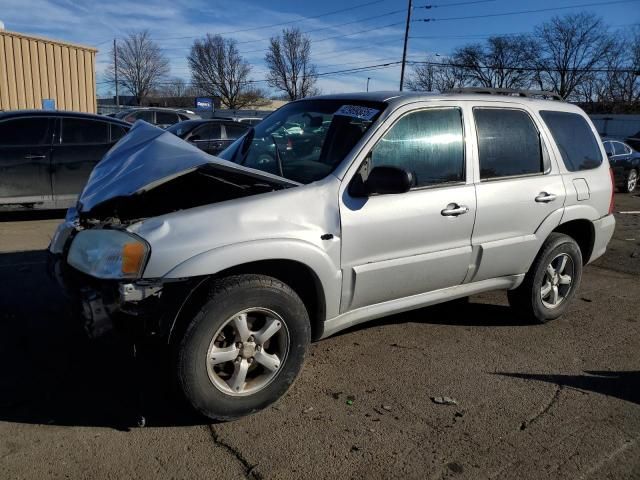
x=452 y=391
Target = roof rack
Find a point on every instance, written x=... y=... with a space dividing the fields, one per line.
x=508 y=92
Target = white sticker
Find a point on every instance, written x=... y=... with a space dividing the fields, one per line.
x=356 y=111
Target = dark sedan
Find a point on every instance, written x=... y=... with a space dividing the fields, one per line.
x=212 y=135
x=625 y=162
x=46 y=157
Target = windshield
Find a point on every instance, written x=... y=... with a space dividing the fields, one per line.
x=304 y=141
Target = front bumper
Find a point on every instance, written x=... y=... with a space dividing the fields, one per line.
x=142 y=308
x=603 y=229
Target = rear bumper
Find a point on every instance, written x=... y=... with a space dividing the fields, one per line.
x=603 y=229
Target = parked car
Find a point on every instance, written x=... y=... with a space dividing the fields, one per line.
x=162 y=117
x=211 y=136
x=412 y=200
x=625 y=163
x=46 y=157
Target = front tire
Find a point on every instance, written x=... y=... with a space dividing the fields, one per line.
x=551 y=282
x=244 y=348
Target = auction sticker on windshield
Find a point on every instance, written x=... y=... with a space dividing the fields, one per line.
x=356 y=111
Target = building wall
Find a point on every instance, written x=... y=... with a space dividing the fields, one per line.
x=33 y=69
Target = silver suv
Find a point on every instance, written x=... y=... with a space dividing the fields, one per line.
x=333 y=211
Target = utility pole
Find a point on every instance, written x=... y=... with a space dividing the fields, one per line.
x=368 y=78
x=406 y=39
x=115 y=69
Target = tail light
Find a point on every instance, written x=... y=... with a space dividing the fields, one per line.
x=289 y=144
x=613 y=189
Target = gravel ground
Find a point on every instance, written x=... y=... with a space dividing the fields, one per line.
x=554 y=401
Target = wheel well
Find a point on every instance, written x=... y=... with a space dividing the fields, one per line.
x=582 y=232
x=296 y=275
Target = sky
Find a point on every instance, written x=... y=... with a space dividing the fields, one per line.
x=345 y=34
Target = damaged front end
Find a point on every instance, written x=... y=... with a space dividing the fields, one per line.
x=97 y=257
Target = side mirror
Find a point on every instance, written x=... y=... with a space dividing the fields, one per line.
x=384 y=181
x=609 y=154
x=194 y=138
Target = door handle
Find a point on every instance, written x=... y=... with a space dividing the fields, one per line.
x=544 y=197
x=35 y=157
x=453 y=210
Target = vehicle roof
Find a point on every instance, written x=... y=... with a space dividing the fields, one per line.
x=396 y=98
x=60 y=113
x=199 y=121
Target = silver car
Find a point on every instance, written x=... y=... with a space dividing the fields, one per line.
x=381 y=203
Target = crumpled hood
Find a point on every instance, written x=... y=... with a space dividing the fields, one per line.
x=147 y=157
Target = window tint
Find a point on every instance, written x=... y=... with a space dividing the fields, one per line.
x=428 y=143
x=145 y=115
x=608 y=148
x=25 y=131
x=235 y=131
x=166 y=118
x=117 y=132
x=575 y=140
x=508 y=143
x=619 y=148
x=210 y=131
x=79 y=130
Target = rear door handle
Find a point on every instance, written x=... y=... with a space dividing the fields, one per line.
x=453 y=210
x=544 y=197
x=35 y=157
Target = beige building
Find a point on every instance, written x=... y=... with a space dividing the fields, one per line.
x=33 y=69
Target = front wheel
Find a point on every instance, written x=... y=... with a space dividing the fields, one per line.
x=244 y=348
x=551 y=282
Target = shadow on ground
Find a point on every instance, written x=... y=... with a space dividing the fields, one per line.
x=623 y=385
x=50 y=373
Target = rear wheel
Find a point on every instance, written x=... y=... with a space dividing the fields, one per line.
x=551 y=282
x=631 y=181
x=244 y=348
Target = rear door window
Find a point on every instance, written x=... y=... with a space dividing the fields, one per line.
x=608 y=148
x=235 y=131
x=166 y=118
x=576 y=142
x=25 y=131
x=508 y=143
x=77 y=131
x=210 y=131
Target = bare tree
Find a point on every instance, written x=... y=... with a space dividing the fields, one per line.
x=623 y=69
x=502 y=62
x=435 y=75
x=218 y=69
x=569 y=49
x=141 y=65
x=174 y=87
x=289 y=64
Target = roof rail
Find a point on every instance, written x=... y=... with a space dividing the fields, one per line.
x=508 y=92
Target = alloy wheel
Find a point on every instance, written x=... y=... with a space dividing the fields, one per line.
x=557 y=281
x=248 y=351
x=632 y=180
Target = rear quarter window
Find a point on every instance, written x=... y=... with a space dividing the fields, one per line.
x=576 y=142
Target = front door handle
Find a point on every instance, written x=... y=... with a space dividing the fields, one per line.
x=453 y=210
x=544 y=197
x=35 y=157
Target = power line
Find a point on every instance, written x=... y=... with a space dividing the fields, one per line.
x=521 y=12
x=525 y=69
x=312 y=17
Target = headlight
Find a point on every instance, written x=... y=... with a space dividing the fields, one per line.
x=109 y=254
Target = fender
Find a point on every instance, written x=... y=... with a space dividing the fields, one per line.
x=582 y=211
x=222 y=258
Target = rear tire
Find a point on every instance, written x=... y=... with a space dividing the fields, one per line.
x=244 y=348
x=631 y=181
x=551 y=282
